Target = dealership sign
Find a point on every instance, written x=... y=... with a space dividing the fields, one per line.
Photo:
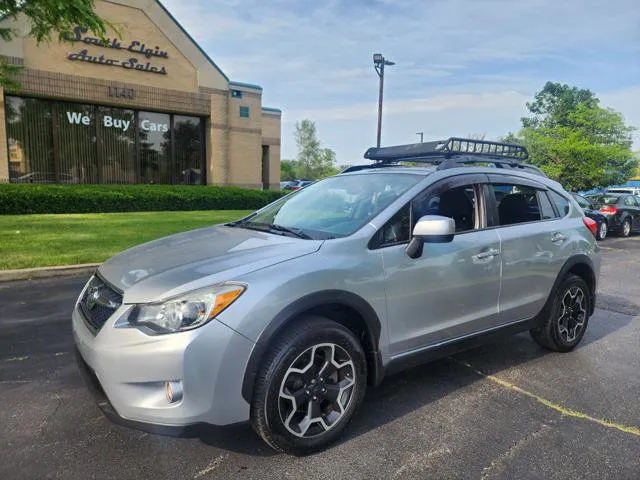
x=131 y=63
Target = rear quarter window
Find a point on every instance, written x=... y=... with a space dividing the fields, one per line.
x=561 y=203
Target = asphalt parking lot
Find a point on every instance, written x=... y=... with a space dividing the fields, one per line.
x=507 y=410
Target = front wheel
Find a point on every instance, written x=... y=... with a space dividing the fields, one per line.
x=311 y=384
x=563 y=329
x=603 y=229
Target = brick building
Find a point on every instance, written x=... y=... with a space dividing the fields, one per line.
x=149 y=106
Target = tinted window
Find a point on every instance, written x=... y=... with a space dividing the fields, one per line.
x=457 y=203
x=517 y=204
x=562 y=204
x=546 y=210
x=583 y=202
x=606 y=199
x=396 y=230
x=629 y=201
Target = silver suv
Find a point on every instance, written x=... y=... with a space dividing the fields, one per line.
x=284 y=317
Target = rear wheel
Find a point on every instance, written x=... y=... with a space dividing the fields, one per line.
x=625 y=229
x=565 y=326
x=311 y=384
x=603 y=229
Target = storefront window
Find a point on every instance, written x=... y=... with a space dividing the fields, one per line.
x=187 y=138
x=74 y=142
x=30 y=140
x=117 y=145
x=155 y=147
x=62 y=142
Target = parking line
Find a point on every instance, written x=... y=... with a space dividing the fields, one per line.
x=554 y=406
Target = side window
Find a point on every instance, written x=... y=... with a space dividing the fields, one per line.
x=637 y=199
x=562 y=204
x=582 y=201
x=517 y=203
x=629 y=201
x=397 y=229
x=546 y=210
x=459 y=203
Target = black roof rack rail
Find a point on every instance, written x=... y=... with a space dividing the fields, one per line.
x=443 y=149
x=453 y=152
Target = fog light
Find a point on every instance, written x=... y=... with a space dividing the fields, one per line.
x=173 y=391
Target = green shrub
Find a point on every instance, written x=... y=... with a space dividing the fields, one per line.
x=24 y=199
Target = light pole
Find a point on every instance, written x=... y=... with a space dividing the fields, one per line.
x=379 y=63
x=421 y=135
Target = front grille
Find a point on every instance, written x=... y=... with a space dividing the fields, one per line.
x=99 y=301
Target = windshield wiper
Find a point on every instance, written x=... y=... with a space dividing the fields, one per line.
x=294 y=231
x=267 y=227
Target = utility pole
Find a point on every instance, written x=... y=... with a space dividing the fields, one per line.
x=379 y=63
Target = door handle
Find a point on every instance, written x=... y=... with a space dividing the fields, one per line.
x=492 y=252
x=558 y=237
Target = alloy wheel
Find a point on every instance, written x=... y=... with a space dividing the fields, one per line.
x=317 y=390
x=602 y=232
x=626 y=228
x=573 y=314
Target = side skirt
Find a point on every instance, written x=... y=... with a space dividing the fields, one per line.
x=429 y=353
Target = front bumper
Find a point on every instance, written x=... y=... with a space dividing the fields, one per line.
x=126 y=370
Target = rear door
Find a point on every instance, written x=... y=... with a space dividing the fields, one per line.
x=534 y=243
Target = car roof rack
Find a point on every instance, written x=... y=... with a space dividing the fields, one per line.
x=452 y=152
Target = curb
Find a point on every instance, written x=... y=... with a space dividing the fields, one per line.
x=47 y=272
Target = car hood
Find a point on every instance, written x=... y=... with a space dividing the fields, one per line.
x=187 y=261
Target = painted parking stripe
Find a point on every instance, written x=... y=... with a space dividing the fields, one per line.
x=554 y=406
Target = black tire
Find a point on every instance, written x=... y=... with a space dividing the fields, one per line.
x=554 y=334
x=603 y=230
x=302 y=345
x=625 y=228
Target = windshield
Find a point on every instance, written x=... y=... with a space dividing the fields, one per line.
x=334 y=207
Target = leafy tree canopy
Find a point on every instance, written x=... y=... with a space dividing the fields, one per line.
x=576 y=141
x=314 y=161
x=49 y=19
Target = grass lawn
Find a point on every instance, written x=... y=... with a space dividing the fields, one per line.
x=44 y=240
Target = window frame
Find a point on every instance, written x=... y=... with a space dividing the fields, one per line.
x=477 y=180
x=505 y=179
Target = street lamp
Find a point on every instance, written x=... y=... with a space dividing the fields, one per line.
x=421 y=136
x=379 y=63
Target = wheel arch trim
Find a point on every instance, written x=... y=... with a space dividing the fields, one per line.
x=299 y=307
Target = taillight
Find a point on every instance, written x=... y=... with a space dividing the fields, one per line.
x=591 y=225
x=612 y=210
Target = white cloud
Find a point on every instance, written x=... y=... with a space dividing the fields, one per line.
x=463 y=66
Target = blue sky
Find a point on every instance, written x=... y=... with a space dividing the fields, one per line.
x=462 y=66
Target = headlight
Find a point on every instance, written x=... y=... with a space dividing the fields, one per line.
x=183 y=313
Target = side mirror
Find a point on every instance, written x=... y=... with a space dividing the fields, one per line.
x=430 y=229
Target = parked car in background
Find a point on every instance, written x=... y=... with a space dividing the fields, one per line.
x=45 y=177
x=297 y=184
x=621 y=210
x=592 y=212
x=285 y=184
x=628 y=190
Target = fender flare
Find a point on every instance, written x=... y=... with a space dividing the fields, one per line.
x=579 y=259
x=302 y=305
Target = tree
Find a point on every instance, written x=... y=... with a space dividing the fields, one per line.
x=314 y=162
x=48 y=18
x=289 y=169
x=576 y=141
x=553 y=104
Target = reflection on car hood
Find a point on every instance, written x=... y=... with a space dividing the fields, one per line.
x=186 y=261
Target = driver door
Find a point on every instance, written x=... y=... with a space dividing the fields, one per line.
x=451 y=290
